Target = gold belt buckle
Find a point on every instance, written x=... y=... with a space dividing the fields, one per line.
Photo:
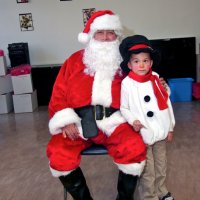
x=104 y=112
x=95 y=113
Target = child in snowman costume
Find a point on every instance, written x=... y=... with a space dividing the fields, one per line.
x=146 y=106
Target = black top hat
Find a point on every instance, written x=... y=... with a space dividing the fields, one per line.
x=133 y=45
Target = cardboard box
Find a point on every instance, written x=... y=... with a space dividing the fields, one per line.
x=181 y=89
x=5 y=84
x=6 y=103
x=25 y=102
x=22 y=84
x=3 y=67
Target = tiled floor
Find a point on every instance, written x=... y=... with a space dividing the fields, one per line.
x=24 y=172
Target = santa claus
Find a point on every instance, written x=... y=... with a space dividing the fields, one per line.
x=84 y=109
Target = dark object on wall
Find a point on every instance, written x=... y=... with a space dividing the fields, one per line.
x=18 y=54
x=178 y=57
x=26 y=22
x=87 y=14
x=43 y=80
x=22 y=1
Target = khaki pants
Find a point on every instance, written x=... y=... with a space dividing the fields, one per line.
x=151 y=185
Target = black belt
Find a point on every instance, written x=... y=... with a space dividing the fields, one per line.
x=89 y=115
x=101 y=112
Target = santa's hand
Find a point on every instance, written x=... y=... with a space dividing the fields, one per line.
x=163 y=82
x=137 y=125
x=70 y=131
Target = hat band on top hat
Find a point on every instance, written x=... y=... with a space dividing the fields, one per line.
x=139 y=46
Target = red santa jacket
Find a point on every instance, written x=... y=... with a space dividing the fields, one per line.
x=73 y=88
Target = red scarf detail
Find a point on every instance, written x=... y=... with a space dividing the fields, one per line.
x=159 y=90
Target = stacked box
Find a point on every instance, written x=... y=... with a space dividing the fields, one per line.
x=181 y=89
x=196 y=90
x=5 y=84
x=25 y=102
x=6 y=103
x=3 y=67
x=25 y=97
x=22 y=84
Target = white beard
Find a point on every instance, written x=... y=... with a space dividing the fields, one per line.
x=102 y=57
x=102 y=60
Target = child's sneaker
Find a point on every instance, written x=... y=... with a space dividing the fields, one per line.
x=168 y=196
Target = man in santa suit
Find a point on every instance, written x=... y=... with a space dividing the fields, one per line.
x=84 y=109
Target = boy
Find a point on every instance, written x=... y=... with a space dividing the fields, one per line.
x=146 y=106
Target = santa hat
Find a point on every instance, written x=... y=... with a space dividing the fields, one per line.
x=100 y=20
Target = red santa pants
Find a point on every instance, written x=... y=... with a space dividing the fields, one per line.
x=124 y=145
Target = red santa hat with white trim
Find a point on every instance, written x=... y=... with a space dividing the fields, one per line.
x=100 y=20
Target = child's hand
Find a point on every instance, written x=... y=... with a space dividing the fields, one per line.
x=137 y=125
x=170 y=136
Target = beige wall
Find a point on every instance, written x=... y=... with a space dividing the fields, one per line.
x=57 y=23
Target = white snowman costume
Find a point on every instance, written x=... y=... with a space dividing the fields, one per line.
x=138 y=102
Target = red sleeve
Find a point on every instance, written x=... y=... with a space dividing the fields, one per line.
x=58 y=99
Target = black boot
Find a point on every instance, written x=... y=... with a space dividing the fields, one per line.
x=76 y=185
x=126 y=186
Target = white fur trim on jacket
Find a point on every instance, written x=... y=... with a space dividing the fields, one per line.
x=132 y=169
x=56 y=173
x=104 y=84
x=61 y=119
x=108 y=125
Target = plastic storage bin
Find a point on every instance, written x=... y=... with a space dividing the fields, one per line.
x=181 y=89
x=196 y=90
